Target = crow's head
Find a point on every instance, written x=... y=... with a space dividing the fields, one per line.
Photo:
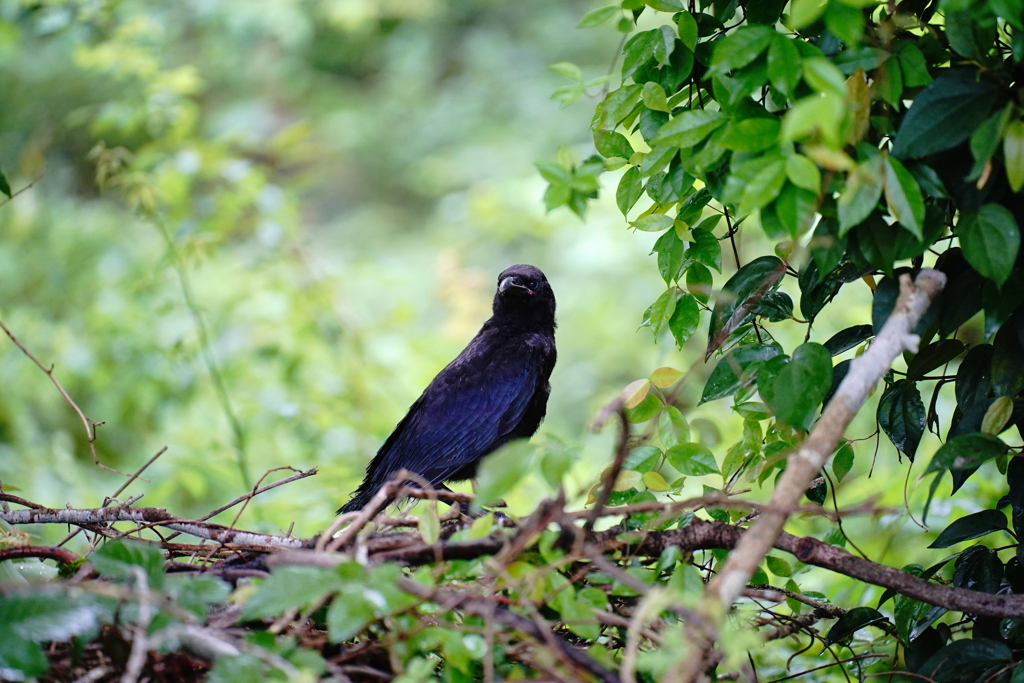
x=523 y=290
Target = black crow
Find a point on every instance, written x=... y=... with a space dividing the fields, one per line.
x=495 y=391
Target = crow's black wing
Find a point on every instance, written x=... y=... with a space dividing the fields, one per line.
x=470 y=407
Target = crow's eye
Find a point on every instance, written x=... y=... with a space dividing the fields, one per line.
x=534 y=284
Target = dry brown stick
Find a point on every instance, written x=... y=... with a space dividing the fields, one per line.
x=252 y=494
x=805 y=463
x=157 y=516
x=42 y=552
x=111 y=498
x=90 y=426
x=612 y=473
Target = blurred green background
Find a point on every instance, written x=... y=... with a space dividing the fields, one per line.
x=337 y=184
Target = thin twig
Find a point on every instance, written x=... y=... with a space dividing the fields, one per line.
x=27 y=187
x=90 y=426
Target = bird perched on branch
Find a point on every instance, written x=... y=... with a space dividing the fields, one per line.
x=495 y=391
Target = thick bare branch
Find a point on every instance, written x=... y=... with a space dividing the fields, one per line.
x=806 y=462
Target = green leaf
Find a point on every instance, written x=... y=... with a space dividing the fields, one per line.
x=502 y=470
x=1013 y=154
x=596 y=17
x=41 y=617
x=350 y=612
x=784 y=66
x=934 y=356
x=670 y=255
x=612 y=144
x=969 y=527
x=662 y=310
x=672 y=428
x=739 y=49
x=290 y=587
x=654 y=44
x=818 y=116
x=117 y=558
x=912 y=64
x=997 y=416
x=617 y=105
x=824 y=76
x=901 y=416
x=762 y=180
x=654 y=98
x=19 y=654
x=699 y=282
x=845 y=22
x=794 y=387
x=705 y=248
x=740 y=296
x=803 y=173
x=903 y=195
x=844 y=340
x=963 y=659
x=751 y=135
x=990 y=239
x=692 y=459
x=889 y=81
x=237 y=669
x=737 y=370
x=966 y=451
x=653 y=222
x=689 y=128
x=5 y=187
x=985 y=140
x=196 y=593
x=795 y=208
x=851 y=622
x=860 y=197
x=685 y=319
x=778 y=566
x=842 y=461
x=687 y=26
x=567 y=69
x=944 y=114
x=629 y=190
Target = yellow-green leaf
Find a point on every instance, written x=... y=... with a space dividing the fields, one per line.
x=635 y=392
x=997 y=415
x=654 y=481
x=665 y=376
x=1013 y=151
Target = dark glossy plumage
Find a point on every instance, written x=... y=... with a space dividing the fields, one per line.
x=495 y=391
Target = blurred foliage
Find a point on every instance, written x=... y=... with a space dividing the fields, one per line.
x=247 y=236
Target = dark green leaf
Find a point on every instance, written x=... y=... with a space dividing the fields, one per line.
x=776 y=306
x=990 y=239
x=966 y=451
x=639 y=49
x=685 y=318
x=851 y=622
x=866 y=58
x=690 y=211
x=1008 y=358
x=740 y=48
x=986 y=138
x=642 y=459
x=670 y=255
x=5 y=187
x=901 y=416
x=844 y=340
x=944 y=114
x=794 y=388
x=970 y=527
x=842 y=461
x=737 y=370
x=903 y=195
x=740 y=297
x=974 y=378
x=617 y=105
x=784 y=69
x=978 y=568
x=933 y=356
x=912 y=64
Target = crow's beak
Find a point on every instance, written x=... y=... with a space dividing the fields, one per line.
x=511 y=285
